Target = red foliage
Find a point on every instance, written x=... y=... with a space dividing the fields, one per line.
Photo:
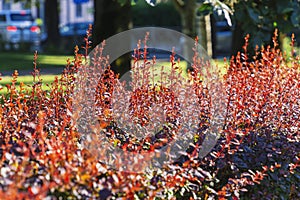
x=257 y=153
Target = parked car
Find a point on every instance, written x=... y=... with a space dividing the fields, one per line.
x=17 y=28
x=221 y=36
x=73 y=34
x=74 y=29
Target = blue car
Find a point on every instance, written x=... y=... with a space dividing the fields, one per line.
x=74 y=29
x=222 y=34
x=73 y=34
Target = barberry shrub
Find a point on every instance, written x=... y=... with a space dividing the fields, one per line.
x=256 y=156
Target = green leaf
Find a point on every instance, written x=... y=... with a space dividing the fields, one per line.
x=133 y=2
x=253 y=14
x=284 y=7
x=295 y=19
x=205 y=9
x=287 y=10
x=122 y=2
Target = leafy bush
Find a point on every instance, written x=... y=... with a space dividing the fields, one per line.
x=257 y=154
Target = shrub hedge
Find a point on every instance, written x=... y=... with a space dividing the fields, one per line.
x=256 y=157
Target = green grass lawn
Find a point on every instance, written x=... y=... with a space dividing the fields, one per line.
x=10 y=61
x=24 y=61
x=27 y=80
x=220 y=64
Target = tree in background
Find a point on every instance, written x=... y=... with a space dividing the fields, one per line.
x=112 y=17
x=52 y=22
x=260 y=18
x=161 y=15
x=187 y=10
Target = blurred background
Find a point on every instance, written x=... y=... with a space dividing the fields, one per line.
x=55 y=26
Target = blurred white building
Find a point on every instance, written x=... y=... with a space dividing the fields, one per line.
x=70 y=10
x=76 y=12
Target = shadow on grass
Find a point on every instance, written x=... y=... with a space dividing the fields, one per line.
x=23 y=62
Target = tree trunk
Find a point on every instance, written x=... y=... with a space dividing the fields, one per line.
x=237 y=39
x=188 y=15
x=111 y=18
x=187 y=10
x=202 y=32
x=213 y=35
x=52 y=22
x=191 y=25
